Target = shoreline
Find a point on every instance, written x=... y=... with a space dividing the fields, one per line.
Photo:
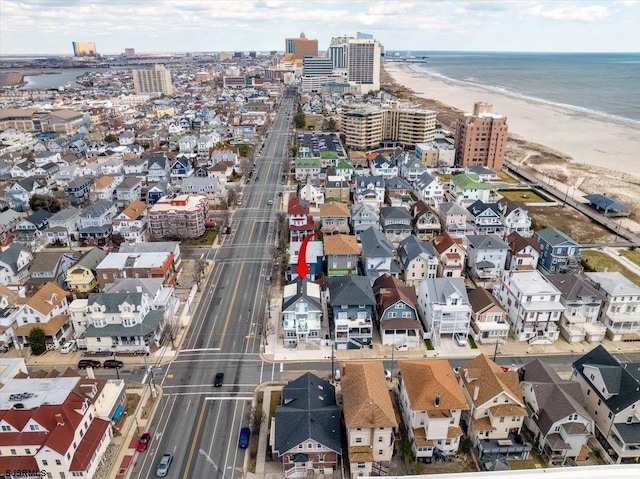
x=579 y=137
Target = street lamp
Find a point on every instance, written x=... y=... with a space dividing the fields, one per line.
x=499 y=344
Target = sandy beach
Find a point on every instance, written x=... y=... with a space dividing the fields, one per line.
x=579 y=137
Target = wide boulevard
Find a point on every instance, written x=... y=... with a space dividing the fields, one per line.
x=197 y=423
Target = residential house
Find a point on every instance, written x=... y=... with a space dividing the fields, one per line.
x=64 y=427
x=309 y=190
x=558 y=419
x=31 y=228
x=426 y=222
x=136 y=166
x=364 y=216
x=612 y=392
x=315 y=260
x=337 y=189
x=429 y=189
x=397 y=313
x=77 y=190
x=620 y=312
x=218 y=155
x=455 y=220
x=112 y=166
x=488 y=319
x=63 y=227
x=582 y=302
x=172 y=247
x=223 y=172
x=418 y=260
x=23 y=170
x=344 y=169
x=205 y=143
x=352 y=304
x=49 y=267
x=103 y=188
x=126 y=137
x=524 y=252
x=309 y=168
x=96 y=222
x=131 y=223
x=335 y=218
x=210 y=187
x=151 y=138
x=47 y=172
x=384 y=167
x=136 y=265
x=9 y=220
x=532 y=304
x=301 y=223
x=158 y=167
x=178 y=216
x=431 y=403
x=558 y=252
x=378 y=254
x=158 y=190
x=19 y=194
x=46 y=309
x=83 y=277
x=396 y=223
x=398 y=192
x=486 y=257
x=121 y=322
x=369 y=417
x=484 y=174
x=370 y=190
x=411 y=168
x=515 y=217
x=444 y=306
x=343 y=253
x=188 y=145
x=181 y=168
x=129 y=190
x=451 y=256
x=305 y=433
x=14 y=264
x=301 y=313
x=486 y=218
x=496 y=408
x=466 y=188
x=41 y=158
x=161 y=297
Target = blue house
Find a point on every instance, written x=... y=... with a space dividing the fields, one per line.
x=77 y=190
x=181 y=168
x=558 y=252
x=157 y=191
x=352 y=304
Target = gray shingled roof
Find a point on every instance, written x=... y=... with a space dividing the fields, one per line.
x=487 y=242
x=98 y=208
x=11 y=254
x=439 y=289
x=148 y=325
x=301 y=295
x=308 y=411
x=375 y=244
x=411 y=247
x=112 y=301
x=554 y=237
x=92 y=258
x=351 y=290
x=575 y=287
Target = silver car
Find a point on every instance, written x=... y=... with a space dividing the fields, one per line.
x=164 y=464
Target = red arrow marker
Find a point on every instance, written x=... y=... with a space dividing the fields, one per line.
x=302 y=268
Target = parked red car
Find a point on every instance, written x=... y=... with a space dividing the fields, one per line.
x=143 y=442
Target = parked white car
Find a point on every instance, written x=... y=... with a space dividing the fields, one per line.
x=68 y=346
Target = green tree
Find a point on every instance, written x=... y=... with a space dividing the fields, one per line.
x=45 y=202
x=111 y=139
x=37 y=341
x=244 y=149
x=299 y=119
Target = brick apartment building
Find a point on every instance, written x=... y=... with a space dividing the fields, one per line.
x=481 y=138
x=178 y=217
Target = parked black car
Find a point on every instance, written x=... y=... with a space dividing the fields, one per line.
x=112 y=363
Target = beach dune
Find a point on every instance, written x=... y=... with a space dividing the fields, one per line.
x=577 y=136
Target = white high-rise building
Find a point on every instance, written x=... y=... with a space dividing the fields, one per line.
x=157 y=80
x=359 y=60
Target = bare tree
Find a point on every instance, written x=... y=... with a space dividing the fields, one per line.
x=256 y=417
x=246 y=162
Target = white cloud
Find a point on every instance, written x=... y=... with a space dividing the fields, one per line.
x=590 y=13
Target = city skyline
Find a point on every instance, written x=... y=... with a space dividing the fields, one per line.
x=34 y=26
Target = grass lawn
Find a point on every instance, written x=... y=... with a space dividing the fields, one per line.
x=207 y=239
x=599 y=261
x=523 y=196
x=276 y=397
x=443 y=177
x=504 y=176
x=428 y=345
x=631 y=255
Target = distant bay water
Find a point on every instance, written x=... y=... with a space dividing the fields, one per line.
x=605 y=84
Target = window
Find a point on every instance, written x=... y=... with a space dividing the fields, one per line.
x=13 y=452
x=45 y=462
x=358 y=440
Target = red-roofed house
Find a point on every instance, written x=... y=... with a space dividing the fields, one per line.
x=300 y=221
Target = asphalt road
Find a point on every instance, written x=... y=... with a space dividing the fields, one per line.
x=197 y=423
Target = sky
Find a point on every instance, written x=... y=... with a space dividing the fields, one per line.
x=49 y=26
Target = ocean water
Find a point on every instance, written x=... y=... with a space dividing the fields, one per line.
x=605 y=84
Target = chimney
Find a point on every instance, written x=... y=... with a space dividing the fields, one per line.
x=436 y=402
x=59 y=420
x=138 y=289
x=476 y=391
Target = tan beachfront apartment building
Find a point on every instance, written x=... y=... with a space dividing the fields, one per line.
x=156 y=80
x=181 y=216
x=481 y=138
x=84 y=49
x=366 y=126
x=300 y=47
